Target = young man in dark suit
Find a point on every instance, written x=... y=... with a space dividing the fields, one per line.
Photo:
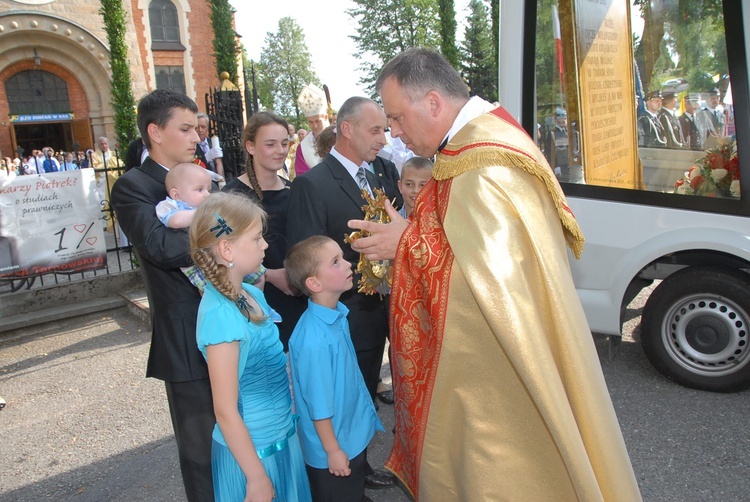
x=167 y=122
x=322 y=201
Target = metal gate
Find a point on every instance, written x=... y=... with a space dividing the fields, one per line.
x=225 y=120
x=251 y=92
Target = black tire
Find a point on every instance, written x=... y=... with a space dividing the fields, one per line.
x=695 y=328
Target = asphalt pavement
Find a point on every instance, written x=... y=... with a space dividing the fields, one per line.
x=82 y=422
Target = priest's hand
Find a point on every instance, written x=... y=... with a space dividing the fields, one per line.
x=382 y=242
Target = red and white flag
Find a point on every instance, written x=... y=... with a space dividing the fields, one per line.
x=558 y=45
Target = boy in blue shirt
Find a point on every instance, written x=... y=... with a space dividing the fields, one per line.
x=337 y=416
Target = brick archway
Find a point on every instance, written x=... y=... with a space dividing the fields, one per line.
x=79 y=102
x=76 y=93
x=69 y=50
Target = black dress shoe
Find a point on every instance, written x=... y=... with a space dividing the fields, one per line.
x=386 y=397
x=378 y=479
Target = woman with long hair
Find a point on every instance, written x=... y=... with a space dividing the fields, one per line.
x=266 y=142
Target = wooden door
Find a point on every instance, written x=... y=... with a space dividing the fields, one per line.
x=82 y=134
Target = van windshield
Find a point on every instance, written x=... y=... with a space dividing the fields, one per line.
x=652 y=111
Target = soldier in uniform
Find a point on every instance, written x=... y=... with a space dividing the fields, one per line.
x=690 y=131
x=556 y=146
x=670 y=123
x=650 y=130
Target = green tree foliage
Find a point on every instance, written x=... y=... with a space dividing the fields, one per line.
x=385 y=28
x=548 y=83
x=447 y=12
x=478 y=52
x=226 y=48
x=285 y=67
x=679 y=39
x=123 y=102
x=684 y=39
x=495 y=17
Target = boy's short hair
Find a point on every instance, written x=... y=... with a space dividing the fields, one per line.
x=416 y=163
x=302 y=261
x=179 y=172
x=325 y=141
x=156 y=108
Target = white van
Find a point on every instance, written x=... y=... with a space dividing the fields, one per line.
x=601 y=85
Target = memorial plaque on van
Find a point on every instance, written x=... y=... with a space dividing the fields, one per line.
x=607 y=105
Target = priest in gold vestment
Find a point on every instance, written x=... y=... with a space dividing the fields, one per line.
x=499 y=391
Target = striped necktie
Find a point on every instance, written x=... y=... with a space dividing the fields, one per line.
x=362 y=180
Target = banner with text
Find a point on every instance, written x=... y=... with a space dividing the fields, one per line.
x=50 y=223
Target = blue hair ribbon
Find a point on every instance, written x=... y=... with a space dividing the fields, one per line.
x=222 y=227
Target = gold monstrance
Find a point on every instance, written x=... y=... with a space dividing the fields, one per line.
x=376 y=276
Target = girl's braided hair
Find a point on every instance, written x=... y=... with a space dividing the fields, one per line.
x=223 y=216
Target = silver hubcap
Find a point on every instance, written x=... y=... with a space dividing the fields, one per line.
x=707 y=334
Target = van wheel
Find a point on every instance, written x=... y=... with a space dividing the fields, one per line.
x=695 y=328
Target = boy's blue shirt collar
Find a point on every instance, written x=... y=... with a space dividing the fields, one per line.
x=328 y=316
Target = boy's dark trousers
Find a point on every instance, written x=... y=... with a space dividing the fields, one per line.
x=327 y=487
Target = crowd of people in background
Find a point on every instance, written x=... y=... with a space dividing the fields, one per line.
x=667 y=119
x=694 y=125
x=47 y=160
x=43 y=161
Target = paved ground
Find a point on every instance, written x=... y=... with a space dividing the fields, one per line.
x=83 y=424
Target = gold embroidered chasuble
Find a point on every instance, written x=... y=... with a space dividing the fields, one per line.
x=499 y=390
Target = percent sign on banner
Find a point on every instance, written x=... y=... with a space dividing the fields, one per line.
x=50 y=223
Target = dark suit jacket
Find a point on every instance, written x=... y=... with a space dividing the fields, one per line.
x=672 y=129
x=199 y=154
x=387 y=173
x=322 y=201
x=650 y=132
x=161 y=251
x=134 y=153
x=690 y=131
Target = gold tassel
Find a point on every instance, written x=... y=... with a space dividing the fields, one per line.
x=474 y=158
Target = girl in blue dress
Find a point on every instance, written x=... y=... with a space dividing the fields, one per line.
x=256 y=454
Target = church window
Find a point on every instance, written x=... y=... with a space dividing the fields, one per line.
x=165 y=25
x=170 y=77
x=36 y=92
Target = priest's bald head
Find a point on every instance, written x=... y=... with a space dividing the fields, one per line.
x=422 y=95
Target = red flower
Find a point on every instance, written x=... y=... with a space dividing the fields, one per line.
x=715 y=160
x=733 y=166
x=696 y=182
x=679 y=183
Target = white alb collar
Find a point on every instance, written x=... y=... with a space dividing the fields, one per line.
x=473 y=108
